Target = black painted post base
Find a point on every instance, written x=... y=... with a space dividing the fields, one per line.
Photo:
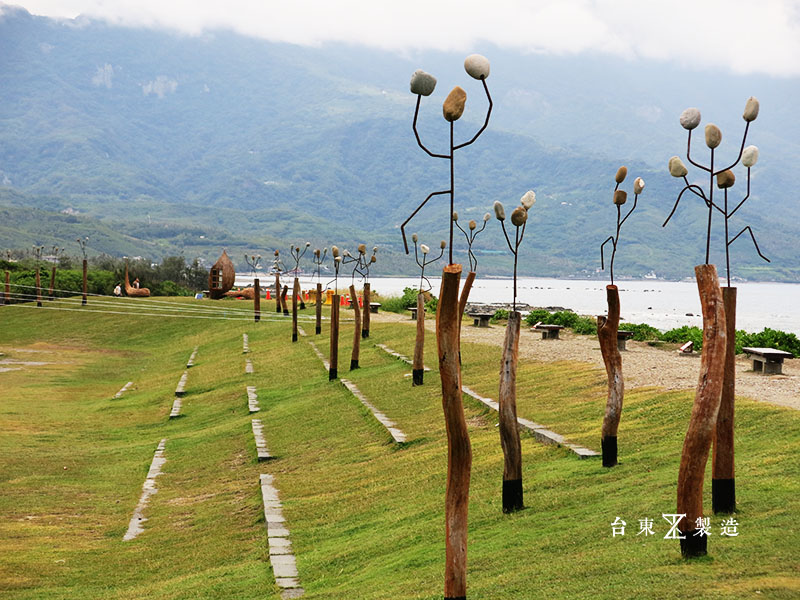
x=257 y=318
x=416 y=376
x=332 y=374
x=39 y=304
x=455 y=598
x=302 y=306
x=286 y=313
x=723 y=495
x=353 y=364
x=318 y=330
x=294 y=337
x=278 y=310
x=609 y=446
x=694 y=545
x=83 y=302
x=512 y=495
x=364 y=333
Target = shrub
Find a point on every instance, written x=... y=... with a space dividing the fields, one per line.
x=565 y=318
x=499 y=314
x=642 y=332
x=398 y=304
x=768 y=338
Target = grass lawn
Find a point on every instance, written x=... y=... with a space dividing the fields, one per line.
x=365 y=515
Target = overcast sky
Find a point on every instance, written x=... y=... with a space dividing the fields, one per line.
x=756 y=36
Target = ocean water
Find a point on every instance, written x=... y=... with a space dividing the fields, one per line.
x=662 y=304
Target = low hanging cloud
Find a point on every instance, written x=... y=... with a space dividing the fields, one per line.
x=740 y=36
x=160 y=86
x=103 y=76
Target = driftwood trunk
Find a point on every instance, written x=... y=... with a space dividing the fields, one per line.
x=356 y=330
x=295 y=292
x=7 y=296
x=85 y=282
x=367 y=309
x=284 y=305
x=38 y=288
x=51 y=294
x=607 y=328
x=723 y=482
x=459 y=450
x=278 y=292
x=697 y=443
x=509 y=430
x=418 y=366
x=257 y=300
x=333 y=372
x=318 y=328
x=462 y=303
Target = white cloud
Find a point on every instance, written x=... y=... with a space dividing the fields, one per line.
x=103 y=76
x=160 y=86
x=742 y=36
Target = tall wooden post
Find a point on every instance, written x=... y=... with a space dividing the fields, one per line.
x=357 y=329
x=318 y=328
x=462 y=303
x=509 y=429
x=51 y=294
x=277 y=292
x=38 y=288
x=723 y=482
x=459 y=449
x=284 y=305
x=85 y=282
x=256 y=300
x=418 y=366
x=367 y=309
x=607 y=328
x=333 y=372
x=7 y=295
x=295 y=292
x=697 y=443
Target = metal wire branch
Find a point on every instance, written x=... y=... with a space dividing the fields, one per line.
x=253 y=262
x=426 y=260
x=82 y=242
x=470 y=237
x=515 y=251
x=318 y=259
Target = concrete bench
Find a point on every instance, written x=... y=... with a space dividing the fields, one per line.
x=767 y=360
x=622 y=337
x=374 y=307
x=414 y=313
x=687 y=348
x=480 y=319
x=549 y=332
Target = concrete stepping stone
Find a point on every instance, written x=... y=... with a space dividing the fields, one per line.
x=301 y=331
x=190 y=362
x=398 y=436
x=180 y=391
x=252 y=399
x=261 y=444
x=124 y=389
x=284 y=565
x=148 y=489
x=320 y=355
x=248 y=366
x=245 y=344
x=539 y=432
x=398 y=356
x=176 y=408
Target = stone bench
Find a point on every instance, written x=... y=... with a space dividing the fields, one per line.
x=480 y=319
x=414 y=313
x=549 y=332
x=374 y=307
x=767 y=360
x=622 y=337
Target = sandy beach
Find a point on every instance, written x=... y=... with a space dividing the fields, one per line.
x=642 y=365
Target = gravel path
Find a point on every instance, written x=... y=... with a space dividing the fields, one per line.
x=642 y=365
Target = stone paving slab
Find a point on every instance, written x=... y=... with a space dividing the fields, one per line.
x=176 y=408
x=148 y=489
x=190 y=362
x=320 y=355
x=252 y=399
x=248 y=367
x=284 y=564
x=301 y=331
x=539 y=432
x=180 y=391
x=124 y=389
x=245 y=344
x=261 y=444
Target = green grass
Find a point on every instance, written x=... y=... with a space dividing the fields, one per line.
x=365 y=515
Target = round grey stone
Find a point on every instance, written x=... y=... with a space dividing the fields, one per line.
x=422 y=83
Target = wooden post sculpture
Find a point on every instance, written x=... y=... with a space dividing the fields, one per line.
x=278 y=268
x=319 y=258
x=608 y=327
x=723 y=479
x=284 y=304
x=354 y=357
x=221 y=277
x=418 y=365
x=82 y=242
x=365 y=320
x=37 y=254
x=7 y=299
x=509 y=429
x=296 y=253
x=448 y=336
x=51 y=293
x=134 y=291
x=253 y=262
x=333 y=372
x=473 y=261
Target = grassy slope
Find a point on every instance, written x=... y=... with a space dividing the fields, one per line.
x=365 y=516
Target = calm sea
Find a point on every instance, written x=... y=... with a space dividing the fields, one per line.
x=662 y=304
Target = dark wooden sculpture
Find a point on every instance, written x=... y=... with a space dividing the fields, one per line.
x=355 y=355
x=82 y=243
x=257 y=300
x=284 y=304
x=7 y=298
x=278 y=308
x=38 y=288
x=132 y=291
x=221 y=277
x=365 y=320
x=418 y=364
x=295 y=295
x=723 y=478
x=333 y=371
x=318 y=258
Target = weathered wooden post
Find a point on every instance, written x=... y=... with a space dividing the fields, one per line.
x=82 y=243
x=51 y=294
x=277 y=267
x=318 y=259
x=333 y=372
x=284 y=304
x=7 y=295
x=354 y=356
x=37 y=254
x=295 y=294
x=509 y=428
x=448 y=337
x=365 y=321
x=608 y=328
x=418 y=364
x=297 y=254
x=723 y=480
x=253 y=262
